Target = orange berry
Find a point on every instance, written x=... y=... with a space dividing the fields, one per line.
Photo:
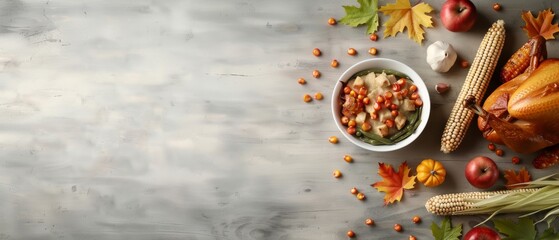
x=302 y=81
x=361 y=196
x=352 y=51
x=350 y=234
x=515 y=160
x=334 y=63
x=332 y=21
x=354 y=191
x=316 y=52
x=337 y=174
x=318 y=96
x=491 y=146
x=497 y=7
x=499 y=152
x=348 y=158
x=333 y=139
x=369 y=222
x=397 y=227
x=373 y=51
x=307 y=98
x=316 y=73
x=464 y=64
x=373 y=37
x=416 y=219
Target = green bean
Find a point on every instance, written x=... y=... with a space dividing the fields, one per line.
x=374 y=136
x=408 y=133
x=371 y=141
x=387 y=71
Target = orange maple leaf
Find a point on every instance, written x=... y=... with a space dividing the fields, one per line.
x=541 y=25
x=394 y=183
x=403 y=15
x=513 y=178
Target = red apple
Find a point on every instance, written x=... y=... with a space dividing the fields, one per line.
x=458 y=15
x=481 y=233
x=482 y=172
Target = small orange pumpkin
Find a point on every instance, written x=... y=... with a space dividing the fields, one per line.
x=431 y=173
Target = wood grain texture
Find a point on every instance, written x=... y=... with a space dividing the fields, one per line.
x=184 y=120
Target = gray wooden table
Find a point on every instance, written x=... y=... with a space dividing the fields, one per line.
x=183 y=120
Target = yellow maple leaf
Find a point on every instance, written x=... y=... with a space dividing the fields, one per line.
x=403 y=15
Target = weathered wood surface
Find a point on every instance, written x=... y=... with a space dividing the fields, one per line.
x=183 y=120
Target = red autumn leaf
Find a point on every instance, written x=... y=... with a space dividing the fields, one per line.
x=513 y=178
x=541 y=25
x=393 y=183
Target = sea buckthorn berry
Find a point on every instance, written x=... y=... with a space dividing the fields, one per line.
x=413 y=88
x=361 y=196
x=351 y=130
x=351 y=51
x=418 y=102
x=366 y=126
x=414 y=96
x=396 y=87
x=497 y=7
x=377 y=106
x=491 y=146
x=333 y=139
x=316 y=52
x=337 y=174
x=388 y=95
x=353 y=93
x=401 y=82
x=354 y=191
x=374 y=116
x=393 y=106
x=416 y=219
x=344 y=120
x=307 y=98
x=373 y=51
x=302 y=81
x=397 y=227
x=352 y=123
x=515 y=160
x=360 y=97
x=389 y=123
x=380 y=99
x=318 y=96
x=373 y=37
x=348 y=158
x=316 y=73
x=369 y=222
x=394 y=113
x=347 y=90
x=366 y=101
x=499 y=152
x=350 y=234
x=332 y=21
x=412 y=237
x=387 y=103
x=334 y=63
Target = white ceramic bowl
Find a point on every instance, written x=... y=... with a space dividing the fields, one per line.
x=381 y=63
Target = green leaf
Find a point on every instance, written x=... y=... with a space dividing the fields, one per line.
x=549 y=234
x=446 y=231
x=366 y=14
x=522 y=230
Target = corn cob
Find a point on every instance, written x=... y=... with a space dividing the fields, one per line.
x=532 y=52
x=538 y=195
x=463 y=203
x=475 y=84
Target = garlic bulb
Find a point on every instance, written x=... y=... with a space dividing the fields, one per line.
x=441 y=56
